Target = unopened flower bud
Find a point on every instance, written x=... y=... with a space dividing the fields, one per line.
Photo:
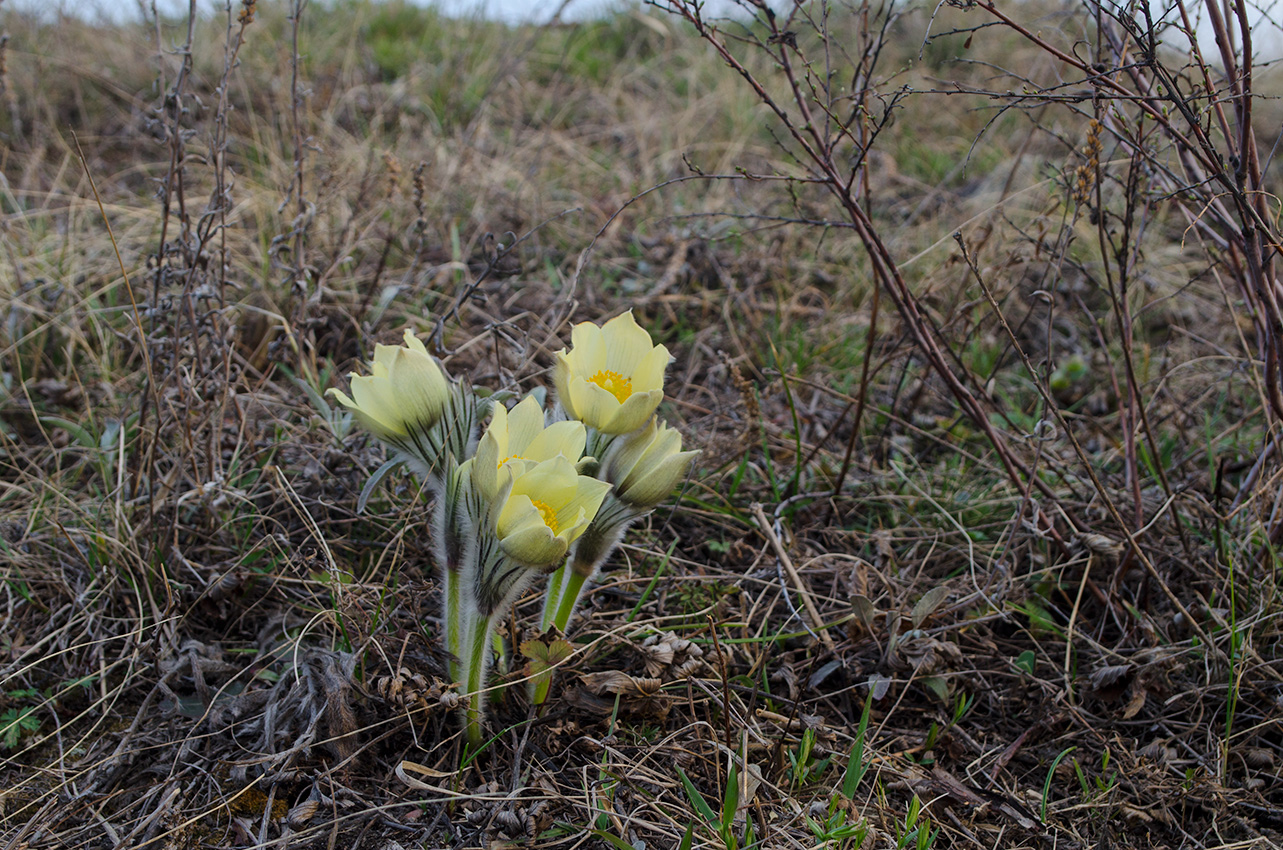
x=647 y=466
x=406 y=391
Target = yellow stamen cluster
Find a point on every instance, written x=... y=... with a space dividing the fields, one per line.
x=547 y=514
x=612 y=377
x=614 y=383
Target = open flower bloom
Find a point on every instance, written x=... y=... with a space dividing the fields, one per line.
x=612 y=378
x=548 y=506
x=645 y=467
x=405 y=391
x=517 y=441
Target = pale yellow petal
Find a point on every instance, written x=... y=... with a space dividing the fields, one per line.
x=652 y=485
x=341 y=396
x=553 y=482
x=419 y=388
x=593 y=405
x=587 y=349
x=414 y=343
x=649 y=372
x=525 y=421
x=628 y=452
x=485 y=474
x=534 y=546
x=633 y=413
x=574 y=515
x=626 y=344
x=667 y=441
x=383 y=355
x=375 y=406
x=562 y=376
x=564 y=438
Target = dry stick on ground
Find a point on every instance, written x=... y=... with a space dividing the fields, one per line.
x=172 y=195
x=808 y=602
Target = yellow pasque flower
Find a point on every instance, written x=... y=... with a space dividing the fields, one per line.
x=612 y=378
x=547 y=509
x=517 y=440
x=645 y=467
x=405 y=390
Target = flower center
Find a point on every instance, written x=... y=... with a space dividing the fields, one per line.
x=547 y=514
x=614 y=383
x=510 y=457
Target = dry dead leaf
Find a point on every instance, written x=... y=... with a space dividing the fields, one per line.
x=1135 y=702
x=1099 y=544
x=619 y=682
x=670 y=657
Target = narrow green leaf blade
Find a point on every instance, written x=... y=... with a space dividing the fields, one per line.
x=697 y=799
x=379 y=475
x=731 y=801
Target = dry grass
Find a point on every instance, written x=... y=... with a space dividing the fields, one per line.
x=206 y=644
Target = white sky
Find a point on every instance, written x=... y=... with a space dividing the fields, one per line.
x=1268 y=35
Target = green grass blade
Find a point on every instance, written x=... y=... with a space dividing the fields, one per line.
x=855 y=766
x=731 y=800
x=697 y=799
x=613 y=840
x=1046 y=785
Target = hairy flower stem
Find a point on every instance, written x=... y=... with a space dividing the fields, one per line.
x=477 y=664
x=590 y=551
x=456 y=628
x=494 y=581
x=574 y=588
x=565 y=587
x=554 y=590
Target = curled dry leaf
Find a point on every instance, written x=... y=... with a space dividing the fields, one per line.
x=1099 y=544
x=864 y=611
x=670 y=657
x=927 y=655
x=750 y=780
x=1109 y=681
x=1143 y=817
x=885 y=550
x=1157 y=751
x=619 y=682
x=787 y=676
x=299 y=816
x=511 y=824
x=1135 y=702
x=406 y=768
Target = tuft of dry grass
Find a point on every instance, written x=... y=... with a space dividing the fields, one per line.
x=1010 y=495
